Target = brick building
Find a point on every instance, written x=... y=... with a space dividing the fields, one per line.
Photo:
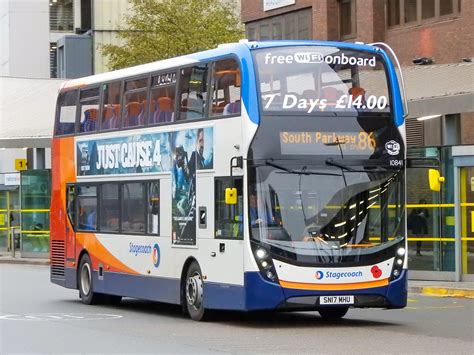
x=434 y=41
x=439 y=29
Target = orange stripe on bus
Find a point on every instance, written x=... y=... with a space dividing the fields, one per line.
x=330 y=287
x=90 y=242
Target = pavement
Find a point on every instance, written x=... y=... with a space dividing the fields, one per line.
x=464 y=289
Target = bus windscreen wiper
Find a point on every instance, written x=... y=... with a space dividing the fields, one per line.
x=299 y=172
x=331 y=162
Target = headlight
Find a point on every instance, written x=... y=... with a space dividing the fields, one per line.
x=260 y=253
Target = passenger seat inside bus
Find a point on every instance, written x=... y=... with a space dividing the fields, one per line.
x=232 y=108
x=90 y=120
x=164 y=110
x=133 y=114
x=110 y=119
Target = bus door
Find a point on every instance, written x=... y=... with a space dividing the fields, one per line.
x=226 y=228
x=70 y=221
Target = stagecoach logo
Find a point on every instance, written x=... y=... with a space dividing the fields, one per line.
x=338 y=275
x=156 y=255
x=316 y=58
x=139 y=249
x=392 y=147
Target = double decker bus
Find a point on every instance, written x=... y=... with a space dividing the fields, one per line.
x=254 y=176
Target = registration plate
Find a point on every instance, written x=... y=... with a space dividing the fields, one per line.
x=336 y=300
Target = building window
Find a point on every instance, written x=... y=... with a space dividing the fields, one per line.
x=410 y=11
x=53 y=60
x=347 y=19
x=400 y=12
x=293 y=25
x=393 y=7
x=61 y=15
x=427 y=9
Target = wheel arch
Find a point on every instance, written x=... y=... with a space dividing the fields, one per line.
x=81 y=255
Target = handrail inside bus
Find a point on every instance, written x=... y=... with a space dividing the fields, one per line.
x=387 y=47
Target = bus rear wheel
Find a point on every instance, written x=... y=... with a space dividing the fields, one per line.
x=193 y=292
x=334 y=313
x=86 y=284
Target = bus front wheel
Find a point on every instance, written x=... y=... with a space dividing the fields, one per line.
x=194 y=296
x=86 y=285
x=334 y=313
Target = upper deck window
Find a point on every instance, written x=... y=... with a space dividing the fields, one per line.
x=315 y=80
x=89 y=108
x=193 y=92
x=111 y=106
x=66 y=113
x=135 y=102
x=226 y=82
x=162 y=102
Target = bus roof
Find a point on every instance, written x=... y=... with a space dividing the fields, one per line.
x=241 y=49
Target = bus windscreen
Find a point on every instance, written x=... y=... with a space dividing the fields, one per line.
x=312 y=80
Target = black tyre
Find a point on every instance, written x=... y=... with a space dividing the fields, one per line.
x=85 y=282
x=333 y=313
x=193 y=292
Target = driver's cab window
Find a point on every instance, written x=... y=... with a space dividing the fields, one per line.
x=229 y=218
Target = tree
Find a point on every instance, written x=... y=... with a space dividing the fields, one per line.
x=159 y=29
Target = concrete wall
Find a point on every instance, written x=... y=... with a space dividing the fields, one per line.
x=7 y=159
x=107 y=19
x=25 y=38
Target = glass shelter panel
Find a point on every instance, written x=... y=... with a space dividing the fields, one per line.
x=35 y=202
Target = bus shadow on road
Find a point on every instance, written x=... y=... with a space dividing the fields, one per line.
x=268 y=320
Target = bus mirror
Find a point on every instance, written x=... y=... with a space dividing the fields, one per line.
x=435 y=179
x=231 y=196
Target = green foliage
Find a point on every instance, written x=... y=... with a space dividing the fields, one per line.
x=160 y=29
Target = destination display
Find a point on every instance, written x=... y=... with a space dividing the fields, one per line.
x=325 y=142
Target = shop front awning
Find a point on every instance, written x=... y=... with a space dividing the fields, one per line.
x=27 y=108
x=439 y=89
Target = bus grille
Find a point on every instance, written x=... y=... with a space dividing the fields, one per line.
x=57 y=259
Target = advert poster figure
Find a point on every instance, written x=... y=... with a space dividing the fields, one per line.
x=197 y=145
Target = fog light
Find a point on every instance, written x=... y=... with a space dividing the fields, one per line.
x=261 y=253
x=399 y=261
x=396 y=272
x=264 y=264
x=401 y=251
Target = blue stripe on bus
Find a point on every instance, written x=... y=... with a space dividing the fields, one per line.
x=395 y=293
x=256 y=294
